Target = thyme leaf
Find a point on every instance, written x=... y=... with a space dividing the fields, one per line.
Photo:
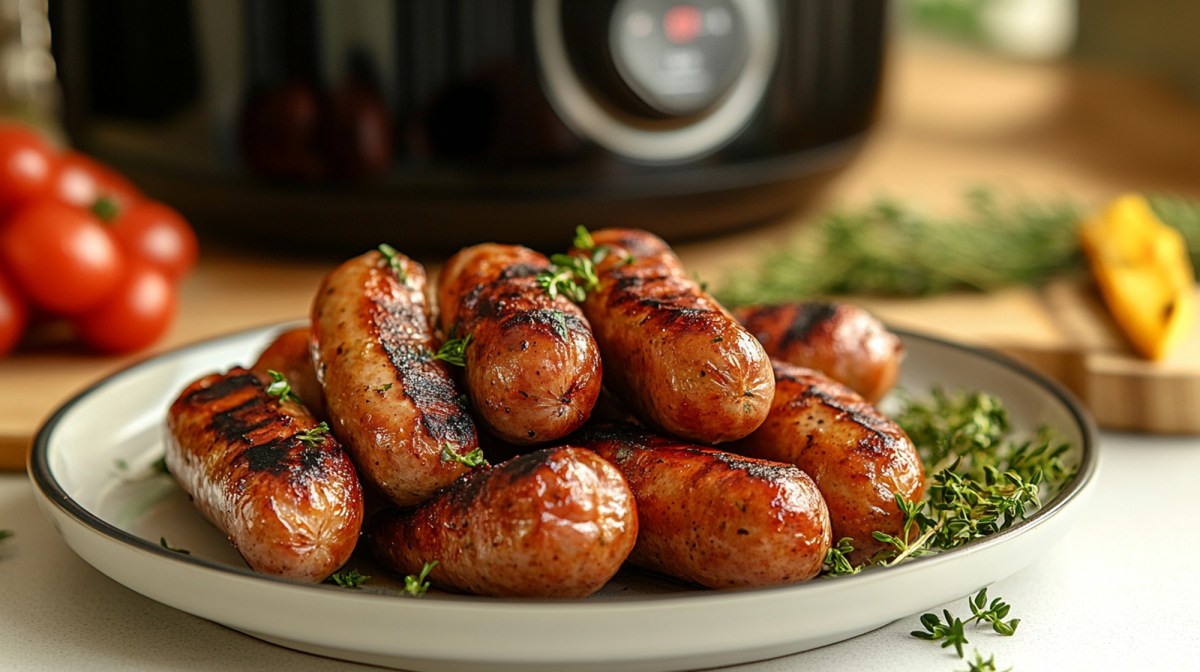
x=417 y=585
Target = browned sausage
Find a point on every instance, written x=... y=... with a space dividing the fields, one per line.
x=840 y=340
x=263 y=472
x=679 y=359
x=857 y=456
x=714 y=518
x=394 y=407
x=532 y=366
x=289 y=355
x=557 y=522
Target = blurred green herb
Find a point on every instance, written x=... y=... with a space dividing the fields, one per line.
x=280 y=387
x=5 y=534
x=890 y=248
x=454 y=351
x=980 y=664
x=348 y=579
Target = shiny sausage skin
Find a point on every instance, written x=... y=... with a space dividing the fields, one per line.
x=714 y=518
x=291 y=506
x=857 y=456
x=289 y=355
x=671 y=352
x=840 y=340
x=532 y=366
x=557 y=522
x=394 y=407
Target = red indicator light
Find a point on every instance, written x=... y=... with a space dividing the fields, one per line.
x=682 y=23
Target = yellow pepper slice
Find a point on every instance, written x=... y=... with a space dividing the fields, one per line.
x=1145 y=277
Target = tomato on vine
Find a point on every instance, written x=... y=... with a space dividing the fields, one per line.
x=63 y=259
x=137 y=315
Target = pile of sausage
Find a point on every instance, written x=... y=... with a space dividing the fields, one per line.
x=646 y=425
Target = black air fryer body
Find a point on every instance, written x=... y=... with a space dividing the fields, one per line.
x=436 y=123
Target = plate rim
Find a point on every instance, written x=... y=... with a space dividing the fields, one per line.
x=54 y=493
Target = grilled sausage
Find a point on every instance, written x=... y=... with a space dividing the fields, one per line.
x=262 y=471
x=857 y=456
x=840 y=340
x=394 y=407
x=679 y=359
x=532 y=367
x=714 y=518
x=557 y=522
x=289 y=355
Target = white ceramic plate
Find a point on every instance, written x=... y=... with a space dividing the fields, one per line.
x=90 y=465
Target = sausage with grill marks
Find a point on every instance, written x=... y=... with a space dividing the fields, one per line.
x=557 y=522
x=283 y=490
x=290 y=356
x=680 y=360
x=532 y=366
x=857 y=456
x=714 y=518
x=395 y=408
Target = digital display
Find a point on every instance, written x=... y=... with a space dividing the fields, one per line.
x=678 y=57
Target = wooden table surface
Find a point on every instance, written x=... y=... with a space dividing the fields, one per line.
x=950 y=120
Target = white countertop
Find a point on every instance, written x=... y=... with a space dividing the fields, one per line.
x=1117 y=593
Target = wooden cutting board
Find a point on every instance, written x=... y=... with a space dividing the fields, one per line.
x=1061 y=330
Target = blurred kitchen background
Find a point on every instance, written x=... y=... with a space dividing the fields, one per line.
x=332 y=124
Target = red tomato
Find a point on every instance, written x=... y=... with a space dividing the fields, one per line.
x=156 y=233
x=63 y=258
x=14 y=315
x=135 y=317
x=26 y=163
x=80 y=180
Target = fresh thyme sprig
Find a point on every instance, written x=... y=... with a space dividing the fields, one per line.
x=311 y=437
x=472 y=459
x=570 y=275
x=348 y=579
x=280 y=387
x=980 y=664
x=454 y=351
x=837 y=559
x=417 y=585
x=891 y=248
x=951 y=632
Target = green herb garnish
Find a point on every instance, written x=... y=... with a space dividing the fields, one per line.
x=417 y=585
x=454 y=351
x=837 y=559
x=5 y=534
x=311 y=437
x=394 y=261
x=280 y=387
x=979 y=664
x=570 y=275
x=162 y=541
x=951 y=631
x=889 y=248
x=384 y=387
x=349 y=579
x=472 y=459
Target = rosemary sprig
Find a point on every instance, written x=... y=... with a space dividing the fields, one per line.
x=890 y=248
x=394 y=261
x=454 y=351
